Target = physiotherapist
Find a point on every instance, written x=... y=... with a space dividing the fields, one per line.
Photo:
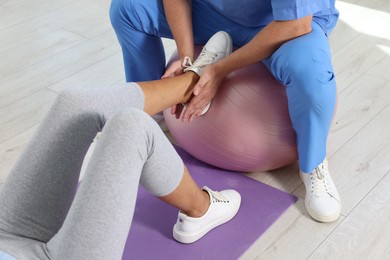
x=289 y=37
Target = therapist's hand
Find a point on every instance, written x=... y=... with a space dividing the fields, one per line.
x=174 y=69
x=204 y=91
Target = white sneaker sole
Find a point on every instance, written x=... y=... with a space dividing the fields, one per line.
x=321 y=218
x=187 y=238
x=204 y=110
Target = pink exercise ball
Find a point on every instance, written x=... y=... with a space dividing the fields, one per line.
x=247 y=127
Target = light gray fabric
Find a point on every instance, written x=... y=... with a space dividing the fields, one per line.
x=41 y=214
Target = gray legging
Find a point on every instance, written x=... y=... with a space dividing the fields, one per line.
x=42 y=216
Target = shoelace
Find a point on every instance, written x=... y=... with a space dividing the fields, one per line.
x=204 y=58
x=217 y=197
x=186 y=63
x=319 y=181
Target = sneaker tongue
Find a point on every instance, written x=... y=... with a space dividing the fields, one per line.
x=320 y=175
x=214 y=195
x=218 y=196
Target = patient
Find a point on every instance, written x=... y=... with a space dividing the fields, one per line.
x=44 y=216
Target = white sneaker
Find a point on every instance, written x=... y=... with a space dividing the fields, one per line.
x=204 y=111
x=322 y=200
x=223 y=207
x=217 y=47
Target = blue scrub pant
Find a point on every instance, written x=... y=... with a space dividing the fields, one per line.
x=303 y=64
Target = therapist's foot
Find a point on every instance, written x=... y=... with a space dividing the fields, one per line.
x=223 y=207
x=218 y=47
x=322 y=200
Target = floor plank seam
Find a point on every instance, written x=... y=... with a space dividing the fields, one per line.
x=21 y=98
x=27 y=129
x=326 y=237
x=293 y=192
x=51 y=90
x=122 y=80
x=358 y=79
x=18 y=70
x=14 y=73
x=34 y=17
x=76 y=33
x=22 y=131
x=368 y=193
x=334 y=54
x=75 y=72
x=362 y=128
x=375 y=75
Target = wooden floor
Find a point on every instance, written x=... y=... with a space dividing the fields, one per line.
x=47 y=46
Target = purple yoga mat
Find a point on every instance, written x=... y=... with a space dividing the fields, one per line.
x=150 y=236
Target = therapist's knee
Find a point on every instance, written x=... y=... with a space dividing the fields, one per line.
x=133 y=15
x=310 y=73
x=123 y=14
x=116 y=12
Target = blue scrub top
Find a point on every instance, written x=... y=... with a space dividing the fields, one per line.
x=259 y=13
